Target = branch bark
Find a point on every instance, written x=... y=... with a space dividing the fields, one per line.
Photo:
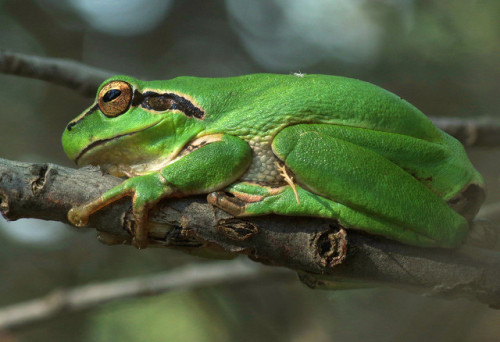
x=77 y=76
x=312 y=247
x=478 y=132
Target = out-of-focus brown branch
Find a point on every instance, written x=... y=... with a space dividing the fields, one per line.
x=479 y=132
x=85 y=80
x=86 y=297
x=77 y=76
x=315 y=248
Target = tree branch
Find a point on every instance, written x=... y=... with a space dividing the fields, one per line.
x=312 y=247
x=478 y=132
x=86 y=297
x=79 y=77
x=481 y=132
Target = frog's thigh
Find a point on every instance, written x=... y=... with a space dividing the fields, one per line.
x=367 y=182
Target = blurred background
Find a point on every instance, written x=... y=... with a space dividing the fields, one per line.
x=441 y=55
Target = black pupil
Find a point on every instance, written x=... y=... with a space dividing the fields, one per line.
x=111 y=95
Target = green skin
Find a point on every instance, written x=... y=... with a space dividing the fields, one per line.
x=351 y=152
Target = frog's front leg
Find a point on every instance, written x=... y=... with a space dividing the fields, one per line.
x=207 y=164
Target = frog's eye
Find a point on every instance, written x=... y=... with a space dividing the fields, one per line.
x=115 y=98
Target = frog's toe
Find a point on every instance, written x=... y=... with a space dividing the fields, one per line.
x=226 y=202
x=139 y=243
x=77 y=218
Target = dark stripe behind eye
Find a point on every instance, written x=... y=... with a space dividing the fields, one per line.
x=177 y=102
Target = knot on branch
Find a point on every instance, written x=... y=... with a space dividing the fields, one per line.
x=330 y=247
x=40 y=172
x=4 y=204
x=237 y=230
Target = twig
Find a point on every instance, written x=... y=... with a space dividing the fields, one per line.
x=79 y=77
x=490 y=210
x=312 y=247
x=479 y=132
x=86 y=297
x=85 y=80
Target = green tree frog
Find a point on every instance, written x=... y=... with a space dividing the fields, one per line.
x=312 y=145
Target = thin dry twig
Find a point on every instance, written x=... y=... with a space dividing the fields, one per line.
x=490 y=210
x=477 y=132
x=77 y=76
x=183 y=278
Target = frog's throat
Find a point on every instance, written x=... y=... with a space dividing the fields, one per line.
x=133 y=170
x=103 y=141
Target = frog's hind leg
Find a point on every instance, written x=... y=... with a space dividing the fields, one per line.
x=356 y=186
x=251 y=199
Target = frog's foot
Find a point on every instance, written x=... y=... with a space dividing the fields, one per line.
x=236 y=198
x=227 y=202
x=78 y=216
x=235 y=201
x=139 y=241
x=140 y=230
x=250 y=199
x=145 y=190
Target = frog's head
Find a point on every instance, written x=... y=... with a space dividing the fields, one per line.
x=131 y=123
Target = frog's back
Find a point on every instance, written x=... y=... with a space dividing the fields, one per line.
x=256 y=107
x=265 y=103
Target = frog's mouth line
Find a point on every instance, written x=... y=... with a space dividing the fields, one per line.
x=103 y=141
